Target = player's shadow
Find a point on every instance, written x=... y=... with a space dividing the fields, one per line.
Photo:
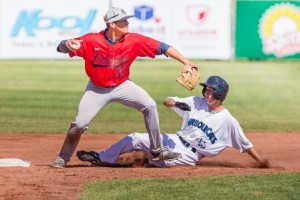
x=70 y=166
x=226 y=164
x=80 y=166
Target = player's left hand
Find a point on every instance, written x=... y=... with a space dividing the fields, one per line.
x=189 y=77
x=190 y=64
x=265 y=164
x=182 y=106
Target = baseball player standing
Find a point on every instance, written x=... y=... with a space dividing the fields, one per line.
x=108 y=56
x=207 y=129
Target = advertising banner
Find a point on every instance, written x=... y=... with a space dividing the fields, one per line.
x=268 y=29
x=199 y=29
x=32 y=29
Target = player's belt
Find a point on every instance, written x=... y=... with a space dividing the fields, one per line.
x=186 y=144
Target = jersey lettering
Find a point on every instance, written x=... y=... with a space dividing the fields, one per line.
x=206 y=129
x=105 y=61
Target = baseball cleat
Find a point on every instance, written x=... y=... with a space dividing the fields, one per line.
x=166 y=154
x=91 y=156
x=59 y=163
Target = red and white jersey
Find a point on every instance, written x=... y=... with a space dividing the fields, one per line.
x=109 y=65
x=210 y=133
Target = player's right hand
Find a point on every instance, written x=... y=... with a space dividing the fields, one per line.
x=73 y=45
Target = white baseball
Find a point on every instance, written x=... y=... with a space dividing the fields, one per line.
x=76 y=44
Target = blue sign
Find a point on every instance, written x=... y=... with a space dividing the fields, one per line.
x=34 y=20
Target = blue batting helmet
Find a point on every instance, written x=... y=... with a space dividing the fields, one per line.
x=219 y=85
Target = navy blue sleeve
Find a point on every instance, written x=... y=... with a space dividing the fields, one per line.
x=163 y=47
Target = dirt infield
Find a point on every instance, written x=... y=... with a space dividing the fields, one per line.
x=40 y=181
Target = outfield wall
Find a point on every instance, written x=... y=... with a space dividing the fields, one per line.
x=32 y=29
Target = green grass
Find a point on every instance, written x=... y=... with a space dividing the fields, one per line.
x=267 y=187
x=41 y=96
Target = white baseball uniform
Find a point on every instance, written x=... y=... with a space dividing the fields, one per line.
x=202 y=133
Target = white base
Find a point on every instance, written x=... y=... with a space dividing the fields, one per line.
x=14 y=162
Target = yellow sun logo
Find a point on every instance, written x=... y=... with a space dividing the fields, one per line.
x=278 y=28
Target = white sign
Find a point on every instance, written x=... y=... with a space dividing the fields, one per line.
x=198 y=29
x=33 y=29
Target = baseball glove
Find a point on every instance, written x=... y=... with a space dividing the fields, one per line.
x=188 y=78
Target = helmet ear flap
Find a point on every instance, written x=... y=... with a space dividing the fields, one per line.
x=217 y=96
x=203 y=90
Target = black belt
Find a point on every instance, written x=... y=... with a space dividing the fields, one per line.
x=186 y=144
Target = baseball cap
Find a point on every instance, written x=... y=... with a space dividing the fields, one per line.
x=116 y=14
